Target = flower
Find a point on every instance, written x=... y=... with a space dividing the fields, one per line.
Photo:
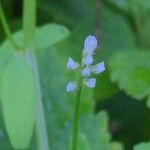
x=87 y=60
x=100 y=67
x=90 y=44
x=71 y=86
x=71 y=64
x=90 y=82
x=86 y=72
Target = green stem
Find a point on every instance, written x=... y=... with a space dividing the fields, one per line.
x=7 y=29
x=29 y=23
x=41 y=131
x=29 y=27
x=76 y=117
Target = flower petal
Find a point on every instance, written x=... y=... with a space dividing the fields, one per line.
x=87 y=60
x=100 y=67
x=86 y=72
x=91 y=82
x=71 y=86
x=71 y=64
x=90 y=43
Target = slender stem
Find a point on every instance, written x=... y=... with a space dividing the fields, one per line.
x=29 y=26
x=41 y=131
x=29 y=23
x=76 y=117
x=7 y=29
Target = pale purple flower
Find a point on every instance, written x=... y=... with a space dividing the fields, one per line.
x=71 y=86
x=90 y=44
x=86 y=72
x=87 y=60
x=100 y=67
x=91 y=82
x=71 y=64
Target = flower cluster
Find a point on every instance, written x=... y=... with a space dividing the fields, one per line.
x=90 y=45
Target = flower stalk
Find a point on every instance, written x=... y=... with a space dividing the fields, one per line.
x=90 y=44
x=76 y=116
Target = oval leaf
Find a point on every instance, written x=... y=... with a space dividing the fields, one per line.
x=50 y=34
x=18 y=95
x=46 y=35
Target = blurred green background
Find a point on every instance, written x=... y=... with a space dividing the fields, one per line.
x=122 y=28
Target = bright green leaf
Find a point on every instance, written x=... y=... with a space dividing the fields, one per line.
x=50 y=34
x=142 y=146
x=18 y=96
x=46 y=35
x=131 y=70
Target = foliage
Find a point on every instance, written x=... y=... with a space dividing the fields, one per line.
x=18 y=92
x=122 y=27
x=18 y=99
x=142 y=146
x=60 y=125
x=132 y=75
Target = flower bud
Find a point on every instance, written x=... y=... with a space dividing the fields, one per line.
x=100 y=67
x=71 y=86
x=90 y=44
x=71 y=64
x=90 y=82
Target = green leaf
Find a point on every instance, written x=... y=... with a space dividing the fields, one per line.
x=50 y=34
x=46 y=35
x=142 y=146
x=83 y=143
x=96 y=131
x=18 y=96
x=131 y=70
